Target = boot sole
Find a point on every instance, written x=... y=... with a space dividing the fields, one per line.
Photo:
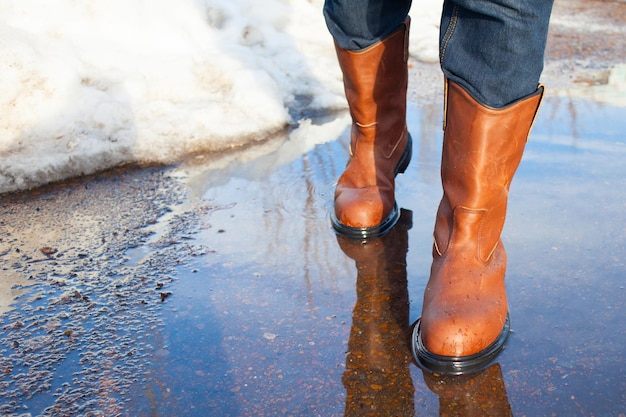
x=390 y=221
x=457 y=365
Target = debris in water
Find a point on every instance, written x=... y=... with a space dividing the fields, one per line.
x=48 y=251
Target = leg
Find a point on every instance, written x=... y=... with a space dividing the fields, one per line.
x=494 y=49
x=489 y=111
x=375 y=81
x=357 y=25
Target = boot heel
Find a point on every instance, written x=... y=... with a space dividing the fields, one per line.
x=403 y=163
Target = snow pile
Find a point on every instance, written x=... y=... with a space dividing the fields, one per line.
x=90 y=85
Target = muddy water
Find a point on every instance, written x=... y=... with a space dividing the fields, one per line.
x=218 y=288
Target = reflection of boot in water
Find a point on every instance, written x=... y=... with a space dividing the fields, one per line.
x=377 y=377
x=471 y=395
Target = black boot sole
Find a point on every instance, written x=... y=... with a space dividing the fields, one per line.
x=457 y=365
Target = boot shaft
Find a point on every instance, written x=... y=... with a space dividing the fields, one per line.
x=375 y=83
x=482 y=150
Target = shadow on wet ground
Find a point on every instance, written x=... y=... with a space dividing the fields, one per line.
x=219 y=288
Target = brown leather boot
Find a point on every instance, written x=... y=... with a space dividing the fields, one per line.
x=377 y=378
x=481 y=394
x=464 y=321
x=375 y=82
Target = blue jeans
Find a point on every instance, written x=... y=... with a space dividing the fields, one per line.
x=493 y=48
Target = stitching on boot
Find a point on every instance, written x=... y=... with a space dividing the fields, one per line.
x=436 y=246
x=479 y=238
x=393 y=150
x=366 y=124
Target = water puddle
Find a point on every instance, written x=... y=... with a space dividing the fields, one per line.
x=284 y=317
x=240 y=300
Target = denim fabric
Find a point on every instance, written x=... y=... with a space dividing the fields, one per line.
x=493 y=48
x=357 y=24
